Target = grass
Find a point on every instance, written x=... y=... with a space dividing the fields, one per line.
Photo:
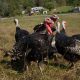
x=63 y=9
x=51 y=71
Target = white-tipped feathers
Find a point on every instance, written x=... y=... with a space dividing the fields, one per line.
x=58 y=27
x=16 y=22
x=64 y=24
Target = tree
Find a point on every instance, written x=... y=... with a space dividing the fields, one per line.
x=49 y=6
x=28 y=3
x=4 y=8
x=61 y=2
x=76 y=2
x=14 y=8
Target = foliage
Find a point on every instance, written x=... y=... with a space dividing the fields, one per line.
x=14 y=7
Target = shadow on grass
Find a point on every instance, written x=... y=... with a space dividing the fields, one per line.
x=16 y=65
x=6 y=64
x=62 y=66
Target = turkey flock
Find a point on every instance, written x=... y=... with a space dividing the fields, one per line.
x=36 y=47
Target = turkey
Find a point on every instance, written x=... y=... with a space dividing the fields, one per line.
x=67 y=46
x=29 y=47
x=39 y=28
x=19 y=32
x=76 y=36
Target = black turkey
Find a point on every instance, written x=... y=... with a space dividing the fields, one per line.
x=39 y=28
x=36 y=42
x=67 y=46
x=76 y=36
x=19 y=32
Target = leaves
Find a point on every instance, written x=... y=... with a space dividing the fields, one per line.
x=14 y=7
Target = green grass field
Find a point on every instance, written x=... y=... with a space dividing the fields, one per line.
x=51 y=72
x=63 y=9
